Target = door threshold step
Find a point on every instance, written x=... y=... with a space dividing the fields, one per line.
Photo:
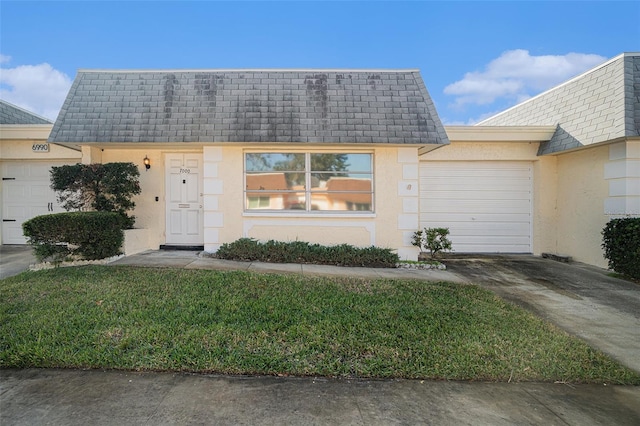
x=181 y=247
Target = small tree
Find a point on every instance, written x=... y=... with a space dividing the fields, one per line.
x=433 y=239
x=101 y=187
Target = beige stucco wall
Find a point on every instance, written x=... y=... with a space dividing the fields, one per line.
x=21 y=150
x=226 y=221
x=581 y=216
x=544 y=179
x=569 y=192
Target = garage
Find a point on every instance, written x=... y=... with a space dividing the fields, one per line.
x=487 y=205
x=25 y=194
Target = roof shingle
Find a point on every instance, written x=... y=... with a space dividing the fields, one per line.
x=11 y=114
x=305 y=106
x=600 y=105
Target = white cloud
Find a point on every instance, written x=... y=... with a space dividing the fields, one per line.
x=4 y=58
x=517 y=75
x=470 y=121
x=37 y=88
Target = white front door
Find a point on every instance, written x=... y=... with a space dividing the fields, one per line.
x=26 y=193
x=184 y=199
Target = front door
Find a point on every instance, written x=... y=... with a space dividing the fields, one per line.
x=184 y=199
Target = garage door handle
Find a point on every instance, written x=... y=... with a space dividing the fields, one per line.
x=8 y=220
x=8 y=178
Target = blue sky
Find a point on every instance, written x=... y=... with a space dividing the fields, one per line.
x=476 y=58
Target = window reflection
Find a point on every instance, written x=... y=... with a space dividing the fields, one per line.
x=337 y=182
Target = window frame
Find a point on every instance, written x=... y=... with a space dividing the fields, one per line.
x=308 y=192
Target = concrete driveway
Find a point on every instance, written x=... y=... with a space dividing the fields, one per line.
x=15 y=259
x=581 y=299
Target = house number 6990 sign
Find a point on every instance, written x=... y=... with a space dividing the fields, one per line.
x=40 y=147
x=185 y=171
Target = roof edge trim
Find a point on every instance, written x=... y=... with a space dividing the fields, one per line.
x=500 y=133
x=25 y=131
x=163 y=70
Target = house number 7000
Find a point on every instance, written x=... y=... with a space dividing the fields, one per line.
x=187 y=171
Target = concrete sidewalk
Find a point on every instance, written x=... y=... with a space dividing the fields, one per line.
x=194 y=260
x=74 y=397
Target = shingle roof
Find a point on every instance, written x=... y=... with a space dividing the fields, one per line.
x=306 y=106
x=600 y=105
x=11 y=114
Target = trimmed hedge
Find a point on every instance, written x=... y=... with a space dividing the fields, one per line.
x=621 y=244
x=248 y=249
x=73 y=235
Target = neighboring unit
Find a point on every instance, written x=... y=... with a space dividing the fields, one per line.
x=593 y=155
x=25 y=160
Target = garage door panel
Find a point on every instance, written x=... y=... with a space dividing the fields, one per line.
x=40 y=171
x=484 y=173
x=457 y=183
x=489 y=229
x=14 y=191
x=481 y=195
x=478 y=206
x=439 y=217
x=40 y=191
x=486 y=205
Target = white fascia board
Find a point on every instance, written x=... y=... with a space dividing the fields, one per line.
x=500 y=133
x=25 y=131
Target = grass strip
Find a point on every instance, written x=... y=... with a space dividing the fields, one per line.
x=246 y=323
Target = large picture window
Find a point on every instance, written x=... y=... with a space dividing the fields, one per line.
x=334 y=182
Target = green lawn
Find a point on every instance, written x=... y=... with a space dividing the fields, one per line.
x=244 y=323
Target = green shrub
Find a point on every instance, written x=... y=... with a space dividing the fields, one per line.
x=102 y=187
x=621 y=244
x=248 y=249
x=433 y=239
x=83 y=235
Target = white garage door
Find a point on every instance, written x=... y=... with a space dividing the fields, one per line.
x=486 y=204
x=25 y=194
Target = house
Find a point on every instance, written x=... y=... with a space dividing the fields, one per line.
x=25 y=160
x=361 y=157
x=325 y=156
